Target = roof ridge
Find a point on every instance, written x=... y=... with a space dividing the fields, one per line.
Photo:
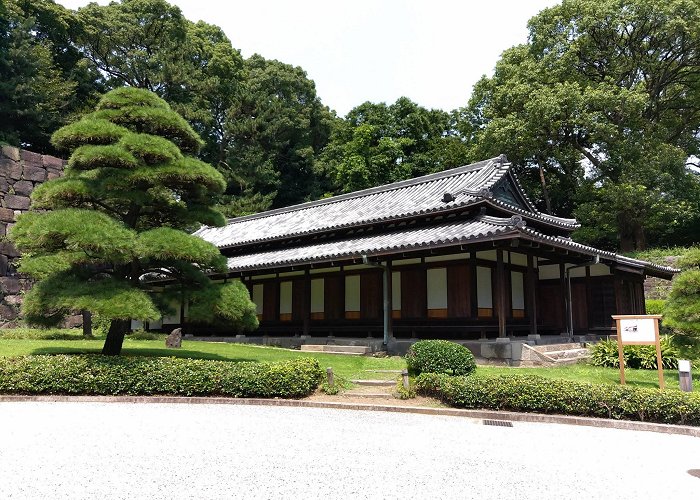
x=373 y=190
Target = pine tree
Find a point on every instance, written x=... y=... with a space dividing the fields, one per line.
x=116 y=240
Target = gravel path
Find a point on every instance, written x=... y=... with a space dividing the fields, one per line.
x=134 y=451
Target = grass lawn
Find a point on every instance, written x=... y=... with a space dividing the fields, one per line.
x=22 y=342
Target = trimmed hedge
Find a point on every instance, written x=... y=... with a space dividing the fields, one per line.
x=440 y=356
x=110 y=375
x=531 y=393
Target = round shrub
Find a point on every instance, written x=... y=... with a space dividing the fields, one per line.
x=440 y=356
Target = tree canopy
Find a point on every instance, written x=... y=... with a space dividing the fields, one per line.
x=117 y=240
x=598 y=110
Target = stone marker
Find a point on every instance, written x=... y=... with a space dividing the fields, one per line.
x=174 y=340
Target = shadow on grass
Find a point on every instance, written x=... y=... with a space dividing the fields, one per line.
x=163 y=353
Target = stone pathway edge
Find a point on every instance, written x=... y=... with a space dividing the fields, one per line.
x=455 y=412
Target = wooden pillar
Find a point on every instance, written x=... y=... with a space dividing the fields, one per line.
x=500 y=293
x=532 y=294
x=564 y=296
x=474 y=289
x=389 y=306
x=307 y=303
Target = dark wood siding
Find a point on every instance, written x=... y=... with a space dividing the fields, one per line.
x=579 y=305
x=459 y=291
x=271 y=291
x=549 y=310
x=602 y=304
x=371 y=295
x=413 y=293
x=334 y=297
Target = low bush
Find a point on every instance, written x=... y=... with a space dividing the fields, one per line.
x=440 y=356
x=655 y=306
x=604 y=353
x=531 y=393
x=108 y=375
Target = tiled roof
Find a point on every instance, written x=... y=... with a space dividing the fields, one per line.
x=413 y=197
x=480 y=228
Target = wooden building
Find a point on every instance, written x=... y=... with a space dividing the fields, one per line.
x=461 y=254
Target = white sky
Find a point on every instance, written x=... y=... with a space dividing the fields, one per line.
x=433 y=52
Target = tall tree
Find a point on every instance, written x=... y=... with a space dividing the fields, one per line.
x=277 y=131
x=35 y=93
x=120 y=220
x=601 y=107
x=379 y=143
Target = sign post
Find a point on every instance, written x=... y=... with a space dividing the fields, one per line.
x=639 y=330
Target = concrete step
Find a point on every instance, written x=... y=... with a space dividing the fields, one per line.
x=386 y=383
x=383 y=371
x=336 y=349
x=368 y=395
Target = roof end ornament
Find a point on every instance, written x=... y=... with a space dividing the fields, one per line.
x=518 y=222
x=481 y=193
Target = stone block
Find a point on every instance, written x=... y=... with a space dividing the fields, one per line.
x=11 y=169
x=52 y=162
x=52 y=175
x=3 y=229
x=13 y=300
x=4 y=185
x=3 y=265
x=23 y=188
x=7 y=215
x=7 y=248
x=16 y=202
x=30 y=158
x=10 y=285
x=36 y=174
x=499 y=350
x=8 y=313
x=11 y=152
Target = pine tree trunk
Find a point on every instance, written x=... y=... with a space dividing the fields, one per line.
x=87 y=324
x=115 y=337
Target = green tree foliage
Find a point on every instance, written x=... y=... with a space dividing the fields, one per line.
x=379 y=143
x=604 y=102
x=116 y=240
x=40 y=81
x=277 y=131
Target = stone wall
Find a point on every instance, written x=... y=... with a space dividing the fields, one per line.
x=20 y=172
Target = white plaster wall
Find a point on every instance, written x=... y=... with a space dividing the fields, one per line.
x=518 y=259
x=286 y=297
x=600 y=270
x=352 y=293
x=549 y=272
x=517 y=285
x=258 y=298
x=437 y=288
x=487 y=255
x=317 y=303
x=396 y=291
x=292 y=273
x=484 y=296
x=442 y=258
x=402 y=262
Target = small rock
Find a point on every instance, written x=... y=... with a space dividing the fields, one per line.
x=174 y=340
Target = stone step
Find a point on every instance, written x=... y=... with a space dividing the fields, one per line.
x=387 y=383
x=368 y=395
x=569 y=354
x=547 y=348
x=383 y=371
x=336 y=349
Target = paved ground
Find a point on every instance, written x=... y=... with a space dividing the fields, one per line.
x=108 y=450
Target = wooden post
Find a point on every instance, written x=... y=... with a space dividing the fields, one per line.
x=329 y=374
x=389 y=283
x=306 y=325
x=620 y=353
x=659 y=360
x=564 y=297
x=532 y=294
x=500 y=293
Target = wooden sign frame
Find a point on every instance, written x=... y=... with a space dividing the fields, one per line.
x=623 y=342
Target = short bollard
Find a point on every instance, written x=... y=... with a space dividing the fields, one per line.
x=329 y=373
x=404 y=375
x=685 y=377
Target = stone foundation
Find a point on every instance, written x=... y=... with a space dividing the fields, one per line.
x=20 y=172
